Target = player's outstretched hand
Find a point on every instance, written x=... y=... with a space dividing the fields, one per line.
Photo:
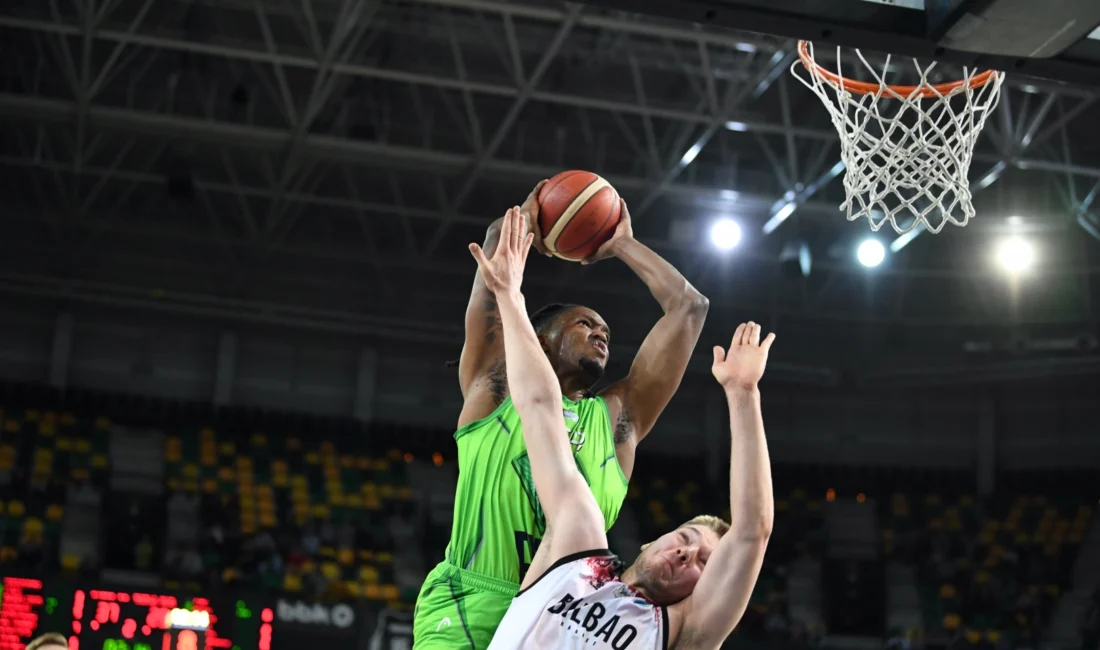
x=504 y=272
x=742 y=365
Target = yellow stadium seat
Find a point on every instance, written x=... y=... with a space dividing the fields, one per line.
x=292 y=582
x=330 y=570
x=16 y=508
x=99 y=461
x=8 y=554
x=372 y=591
x=54 y=512
x=70 y=562
x=353 y=589
x=390 y=592
x=368 y=574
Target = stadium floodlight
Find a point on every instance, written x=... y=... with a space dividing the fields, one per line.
x=1015 y=255
x=870 y=253
x=725 y=234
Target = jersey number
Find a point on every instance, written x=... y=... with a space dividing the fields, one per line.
x=525 y=543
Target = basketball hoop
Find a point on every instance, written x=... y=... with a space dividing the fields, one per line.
x=906 y=149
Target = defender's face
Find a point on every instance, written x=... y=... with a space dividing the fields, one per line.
x=669 y=567
x=583 y=339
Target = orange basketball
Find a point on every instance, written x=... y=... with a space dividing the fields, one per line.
x=578 y=212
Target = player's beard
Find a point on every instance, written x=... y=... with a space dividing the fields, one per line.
x=592 y=370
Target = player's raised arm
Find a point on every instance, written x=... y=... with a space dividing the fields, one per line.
x=662 y=360
x=484 y=348
x=723 y=591
x=571 y=510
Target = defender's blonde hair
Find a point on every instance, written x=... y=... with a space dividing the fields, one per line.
x=717 y=524
x=49 y=638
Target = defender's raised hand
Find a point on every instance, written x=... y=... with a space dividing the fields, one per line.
x=742 y=365
x=504 y=271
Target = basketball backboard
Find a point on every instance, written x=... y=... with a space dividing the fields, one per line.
x=1058 y=41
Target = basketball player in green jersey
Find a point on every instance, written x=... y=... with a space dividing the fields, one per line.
x=498 y=521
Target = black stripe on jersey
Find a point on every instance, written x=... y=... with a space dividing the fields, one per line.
x=664 y=628
x=599 y=552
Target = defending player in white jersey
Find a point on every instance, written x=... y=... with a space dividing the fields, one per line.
x=689 y=588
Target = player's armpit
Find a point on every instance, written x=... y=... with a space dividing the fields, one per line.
x=723 y=592
x=658 y=368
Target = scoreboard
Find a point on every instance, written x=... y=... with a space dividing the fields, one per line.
x=95 y=618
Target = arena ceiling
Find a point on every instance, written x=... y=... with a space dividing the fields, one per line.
x=322 y=164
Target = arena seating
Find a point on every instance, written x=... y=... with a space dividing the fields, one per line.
x=989 y=570
x=42 y=453
x=301 y=483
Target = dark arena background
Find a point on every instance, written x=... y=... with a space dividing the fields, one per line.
x=233 y=267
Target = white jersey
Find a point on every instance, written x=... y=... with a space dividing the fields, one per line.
x=580 y=603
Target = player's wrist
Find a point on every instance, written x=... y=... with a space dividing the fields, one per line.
x=511 y=297
x=737 y=392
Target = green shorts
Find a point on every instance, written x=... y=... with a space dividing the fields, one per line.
x=459 y=609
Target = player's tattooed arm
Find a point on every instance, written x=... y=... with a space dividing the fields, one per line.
x=483 y=345
x=483 y=350
x=663 y=357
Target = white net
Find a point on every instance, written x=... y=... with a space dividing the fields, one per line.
x=907 y=149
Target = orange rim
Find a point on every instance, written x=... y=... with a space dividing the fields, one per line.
x=867 y=88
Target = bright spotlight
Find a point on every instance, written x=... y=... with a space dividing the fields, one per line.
x=871 y=253
x=725 y=234
x=1015 y=255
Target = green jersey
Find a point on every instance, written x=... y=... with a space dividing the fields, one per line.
x=498 y=520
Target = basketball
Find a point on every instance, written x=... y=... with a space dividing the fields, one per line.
x=578 y=213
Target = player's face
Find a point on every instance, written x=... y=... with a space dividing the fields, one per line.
x=583 y=339
x=669 y=567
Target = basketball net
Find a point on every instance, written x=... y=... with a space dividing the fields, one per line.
x=907 y=149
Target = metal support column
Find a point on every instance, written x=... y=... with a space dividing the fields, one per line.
x=225 y=371
x=986 y=446
x=363 y=408
x=61 y=352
